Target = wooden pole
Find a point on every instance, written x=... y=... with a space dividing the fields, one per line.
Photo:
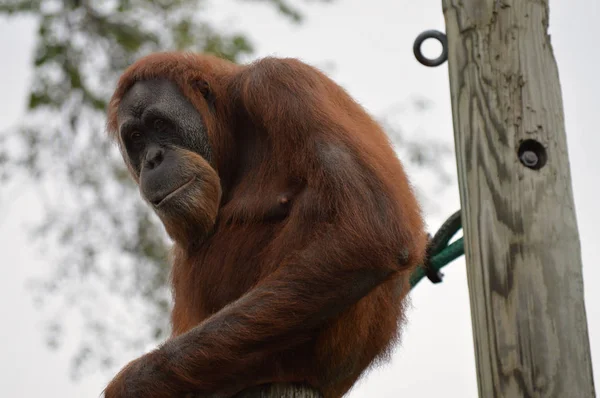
x=521 y=239
x=280 y=391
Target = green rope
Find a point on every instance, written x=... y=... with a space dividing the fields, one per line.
x=439 y=252
x=439 y=261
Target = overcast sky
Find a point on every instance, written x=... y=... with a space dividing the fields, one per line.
x=366 y=46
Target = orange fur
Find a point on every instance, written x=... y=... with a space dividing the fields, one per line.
x=301 y=279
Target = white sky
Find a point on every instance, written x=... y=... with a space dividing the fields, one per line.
x=370 y=46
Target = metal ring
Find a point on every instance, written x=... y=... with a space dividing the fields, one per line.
x=431 y=34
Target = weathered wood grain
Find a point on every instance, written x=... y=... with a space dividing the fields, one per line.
x=521 y=237
x=280 y=391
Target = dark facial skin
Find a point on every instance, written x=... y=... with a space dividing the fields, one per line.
x=154 y=117
x=165 y=143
